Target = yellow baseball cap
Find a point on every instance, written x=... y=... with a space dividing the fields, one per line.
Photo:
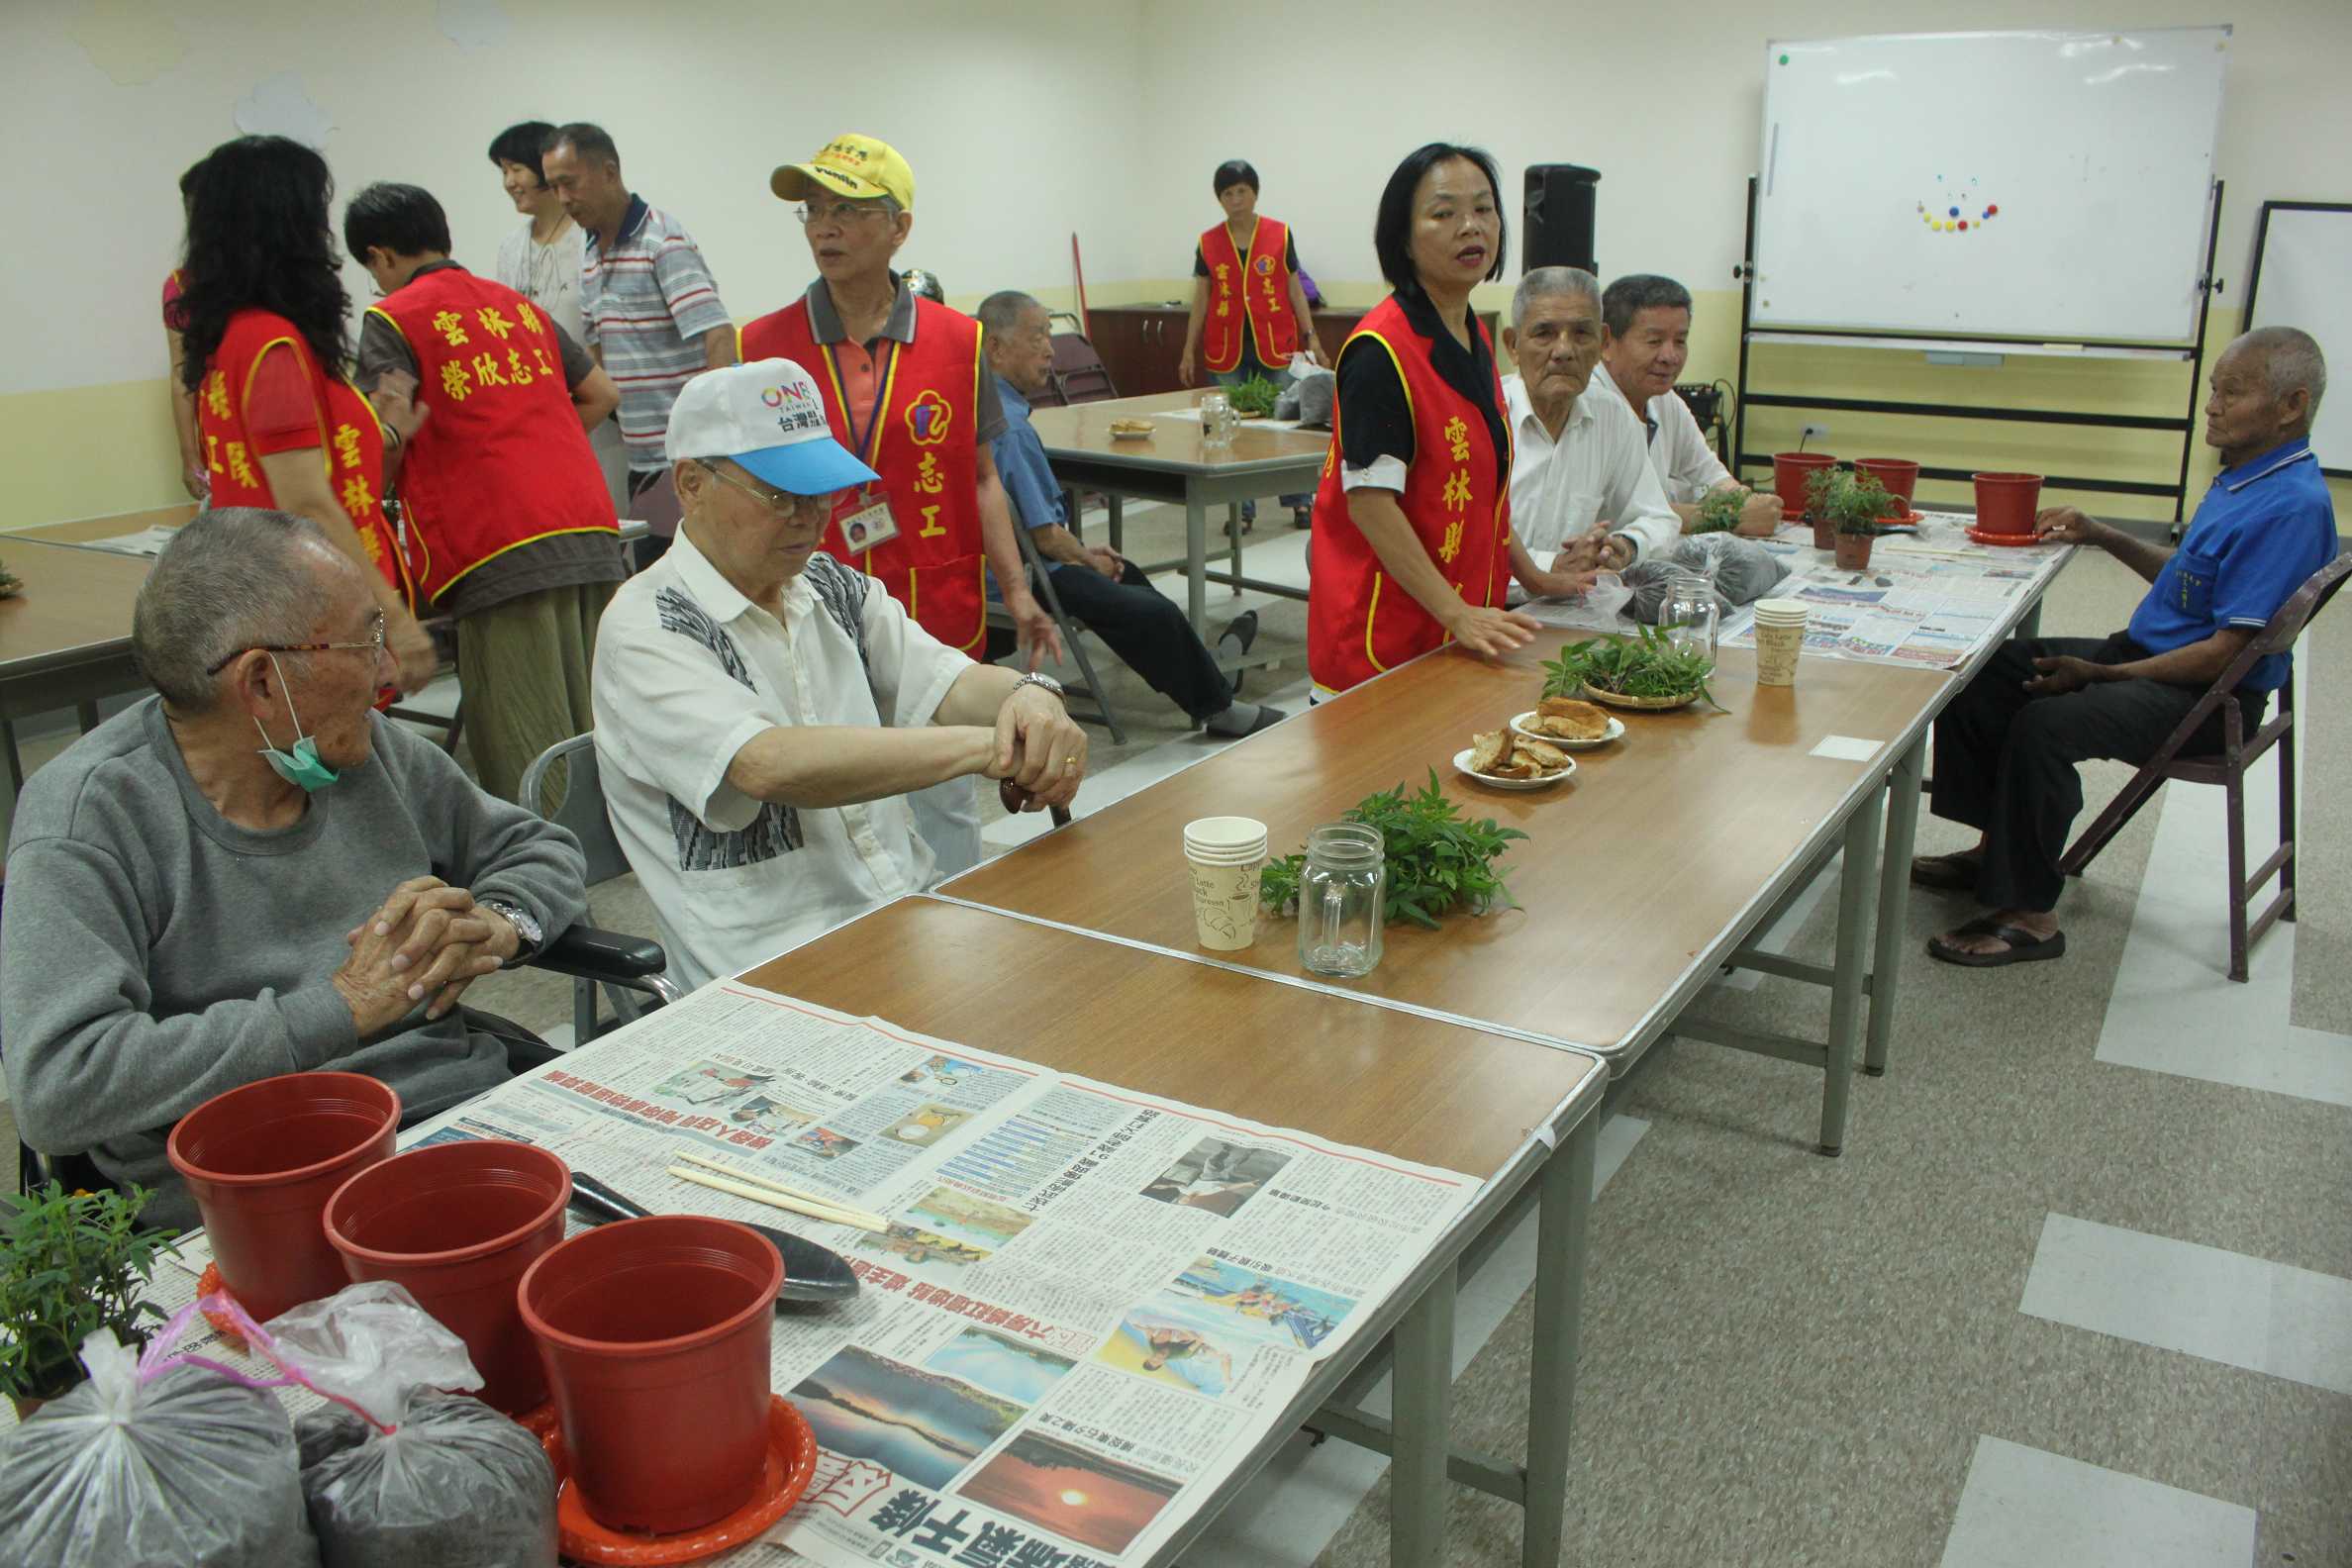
x=856 y=166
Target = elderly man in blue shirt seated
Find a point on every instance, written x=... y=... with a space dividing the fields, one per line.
x=252 y=873
x=2006 y=749
x=1115 y=600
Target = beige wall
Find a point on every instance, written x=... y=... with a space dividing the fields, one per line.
x=1026 y=122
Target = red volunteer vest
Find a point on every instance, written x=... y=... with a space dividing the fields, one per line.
x=921 y=444
x=502 y=460
x=351 y=442
x=1255 y=293
x=1358 y=622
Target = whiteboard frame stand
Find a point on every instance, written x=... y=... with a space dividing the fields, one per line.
x=2191 y=354
x=2254 y=272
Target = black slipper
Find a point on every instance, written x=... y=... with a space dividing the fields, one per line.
x=1944 y=873
x=2023 y=946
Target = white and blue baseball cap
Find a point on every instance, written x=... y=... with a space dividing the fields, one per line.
x=768 y=418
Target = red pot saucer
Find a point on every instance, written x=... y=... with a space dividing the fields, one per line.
x=2009 y=541
x=791 y=1462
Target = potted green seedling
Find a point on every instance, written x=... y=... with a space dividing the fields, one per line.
x=1719 y=510
x=70 y=1263
x=1819 y=486
x=1855 y=505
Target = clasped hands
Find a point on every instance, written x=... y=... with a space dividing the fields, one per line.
x=1039 y=753
x=427 y=945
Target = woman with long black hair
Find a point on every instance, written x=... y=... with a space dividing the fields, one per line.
x=1412 y=547
x=263 y=311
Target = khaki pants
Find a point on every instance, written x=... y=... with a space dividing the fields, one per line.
x=524 y=666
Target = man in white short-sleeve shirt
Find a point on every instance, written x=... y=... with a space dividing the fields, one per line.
x=762 y=709
x=1645 y=341
x=1581 y=483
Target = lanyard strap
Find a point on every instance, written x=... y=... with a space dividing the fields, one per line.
x=869 y=443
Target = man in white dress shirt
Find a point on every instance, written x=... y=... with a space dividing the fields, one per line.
x=1645 y=340
x=1582 y=490
x=762 y=709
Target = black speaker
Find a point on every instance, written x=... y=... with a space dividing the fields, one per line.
x=1559 y=218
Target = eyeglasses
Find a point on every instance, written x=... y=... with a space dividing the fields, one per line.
x=781 y=502
x=373 y=646
x=841 y=211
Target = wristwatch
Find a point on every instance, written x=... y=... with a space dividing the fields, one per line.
x=1046 y=681
x=527 y=929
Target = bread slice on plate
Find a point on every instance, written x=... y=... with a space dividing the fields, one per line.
x=1490 y=752
x=1570 y=719
x=1545 y=760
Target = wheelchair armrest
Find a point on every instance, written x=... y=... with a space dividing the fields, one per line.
x=591 y=953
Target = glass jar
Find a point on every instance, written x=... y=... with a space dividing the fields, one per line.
x=1217 y=420
x=1342 y=892
x=1691 y=616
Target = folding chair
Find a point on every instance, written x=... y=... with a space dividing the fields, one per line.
x=1042 y=581
x=2228 y=769
x=1079 y=374
x=628 y=969
x=444 y=631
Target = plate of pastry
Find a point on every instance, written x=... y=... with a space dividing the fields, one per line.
x=1568 y=723
x=1129 y=429
x=1514 y=761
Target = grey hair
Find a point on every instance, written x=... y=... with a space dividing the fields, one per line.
x=234 y=579
x=1636 y=292
x=1544 y=282
x=1002 y=310
x=2291 y=358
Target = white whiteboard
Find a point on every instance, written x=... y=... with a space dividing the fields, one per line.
x=2307 y=257
x=2080 y=161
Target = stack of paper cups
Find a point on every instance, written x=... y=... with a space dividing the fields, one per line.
x=1223 y=854
x=1780 y=638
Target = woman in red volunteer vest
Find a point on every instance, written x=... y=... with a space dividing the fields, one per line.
x=1420 y=467
x=905 y=388
x=262 y=310
x=1249 y=309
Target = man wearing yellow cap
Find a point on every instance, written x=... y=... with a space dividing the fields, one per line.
x=906 y=389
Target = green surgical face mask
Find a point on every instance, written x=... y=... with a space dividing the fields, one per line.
x=301 y=766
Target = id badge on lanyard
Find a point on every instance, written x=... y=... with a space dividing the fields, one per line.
x=863 y=515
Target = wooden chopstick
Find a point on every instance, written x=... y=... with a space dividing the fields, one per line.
x=828 y=1213
x=691 y=1157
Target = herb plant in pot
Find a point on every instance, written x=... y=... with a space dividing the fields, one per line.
x=1820 y=485
x=70 y=1263
x=1854 y=505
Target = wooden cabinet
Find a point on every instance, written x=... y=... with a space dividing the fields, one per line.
x=1140 y=344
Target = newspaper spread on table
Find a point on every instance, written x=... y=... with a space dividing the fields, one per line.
x=1928 y=600
x=1090 y=1304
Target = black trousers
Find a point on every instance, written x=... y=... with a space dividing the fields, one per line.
x=1149 y=631
x=2004 y=760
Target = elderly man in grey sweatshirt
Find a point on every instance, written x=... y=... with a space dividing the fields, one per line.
x=252 y=872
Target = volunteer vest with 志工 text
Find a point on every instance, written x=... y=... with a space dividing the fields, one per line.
x=1250 y=294
x=502 y=459
x=918 y=435
x=1359 y=620
x=351 y=442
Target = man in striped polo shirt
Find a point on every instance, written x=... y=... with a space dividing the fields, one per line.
x=650 y=311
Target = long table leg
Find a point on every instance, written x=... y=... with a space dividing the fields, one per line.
x=1196 y=557
x=1562 y=1230
x=1117 y=520
x=1893 y=903
x=1421 y=1400
x=1855 y=882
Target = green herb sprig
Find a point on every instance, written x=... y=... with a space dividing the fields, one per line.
x=69 y=1265
x=1254 y=398
x=1650 y=665
x=1439 y=860
x=1718 y=512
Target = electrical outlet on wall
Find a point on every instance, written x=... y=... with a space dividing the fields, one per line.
x=1814 y=432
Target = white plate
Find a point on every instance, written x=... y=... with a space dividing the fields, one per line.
x=1615 y=732
x=1462 y=766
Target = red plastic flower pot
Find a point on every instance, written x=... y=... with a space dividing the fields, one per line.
x=457 y=1223
x=654 y=1336
x=1790 y=471
x=1899 y=475
x=2005 y=502
x=263 y=1160
x=1824 y=533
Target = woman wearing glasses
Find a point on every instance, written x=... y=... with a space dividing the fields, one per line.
x=262 y=313
x=905 y=389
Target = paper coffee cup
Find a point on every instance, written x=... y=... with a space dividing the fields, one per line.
x=1223 y=855
x=1780 y=638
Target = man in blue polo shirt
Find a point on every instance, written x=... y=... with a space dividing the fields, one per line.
x=2006 y=749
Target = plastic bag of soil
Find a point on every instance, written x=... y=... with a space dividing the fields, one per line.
x=400 y=1475
x=156 y=1462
